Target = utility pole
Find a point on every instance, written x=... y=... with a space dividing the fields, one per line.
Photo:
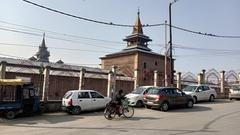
x=166 y=57
x=170 y=44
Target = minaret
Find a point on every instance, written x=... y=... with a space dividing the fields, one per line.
x=43 y=54
x=137 y=40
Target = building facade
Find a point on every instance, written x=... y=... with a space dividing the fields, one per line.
x=137 y=60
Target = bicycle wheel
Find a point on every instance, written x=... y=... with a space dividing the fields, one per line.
x=109 y=112
x=128 y=112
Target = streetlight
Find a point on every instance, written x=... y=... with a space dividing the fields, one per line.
x=170 y=42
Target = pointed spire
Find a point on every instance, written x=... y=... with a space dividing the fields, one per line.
x=43 y=54
x=137 y=28
x=43 y=41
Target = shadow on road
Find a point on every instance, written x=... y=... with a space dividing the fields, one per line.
x=135 y=118
x=195 y=108
x=143 y=118
x=217 y=101
x=48 y=118
x=186 y=110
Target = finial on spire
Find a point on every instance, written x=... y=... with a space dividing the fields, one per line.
x=138 y=11
x=44 y=35
x=137 y=29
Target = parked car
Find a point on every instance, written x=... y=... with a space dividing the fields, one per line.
x=201 y=92
x=234 y=92
x=165 y=97
x=76 y=101
x=136 y=96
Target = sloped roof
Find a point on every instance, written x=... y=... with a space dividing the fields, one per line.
x=36 y=64
x=33 y=67
x=131 y=51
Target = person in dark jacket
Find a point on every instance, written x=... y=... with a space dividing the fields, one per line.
x=118 y=97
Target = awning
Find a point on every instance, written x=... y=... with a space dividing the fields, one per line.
x=12 y=82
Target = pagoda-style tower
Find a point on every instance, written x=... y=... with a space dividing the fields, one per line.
x=43 y=54
x=136 y=60
x=137 y=40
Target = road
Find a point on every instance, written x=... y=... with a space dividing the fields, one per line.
x=218 y=118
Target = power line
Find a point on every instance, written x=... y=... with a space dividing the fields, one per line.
x=59 y=48
x=125 y=25
x=22 y=58
x=12 y=56
x=206 y=49
x=63 y=34
x=23 y=32
x=78 y=17
x=52 y=37
x=68 y=35
x=177 y=46
x=202 y=33
x=206 y=55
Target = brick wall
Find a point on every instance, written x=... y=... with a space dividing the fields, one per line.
x=59 y=85
x=124 y=64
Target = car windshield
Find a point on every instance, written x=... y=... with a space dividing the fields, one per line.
x=236 y=87
x=67 y=95
x=154 y=91
x=138 y=90
x=190 y=88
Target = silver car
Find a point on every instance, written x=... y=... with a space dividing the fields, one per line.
x=201 y=92
x=234 y=92
x=136 y=96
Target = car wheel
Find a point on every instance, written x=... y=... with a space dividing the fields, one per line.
x=148 y=107
x=164 y=106
x=230 y=98
x=76 y=110
x=10 y=114
x=189 y=104
x=139 y=103
x=194 y=99
x=211 y=98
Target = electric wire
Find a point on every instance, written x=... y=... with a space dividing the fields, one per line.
x=78 y=17
x=52 y=37
x=125 y=25
x=59 y=48
x=63 y=34
x=23 y=58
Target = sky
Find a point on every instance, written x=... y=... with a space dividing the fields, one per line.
x=90 y=41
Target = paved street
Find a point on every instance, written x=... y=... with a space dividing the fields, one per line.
x=219 y=118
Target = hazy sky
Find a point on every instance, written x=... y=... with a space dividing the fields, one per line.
x=192 y=52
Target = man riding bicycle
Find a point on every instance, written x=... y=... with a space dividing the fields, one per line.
x=118 y=105
x=118 y=100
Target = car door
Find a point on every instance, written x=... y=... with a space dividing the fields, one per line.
x=143 y=93
x=180 y=98
x=170 y=96
x=98 y=100
x=200 y=93
x=207 y=92
x=84 y=100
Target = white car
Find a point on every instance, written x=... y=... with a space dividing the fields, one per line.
x=234 y=92
x=136 y=96
x=201 y=92
x=75 y=101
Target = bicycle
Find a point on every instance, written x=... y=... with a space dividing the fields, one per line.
x=111 y=110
